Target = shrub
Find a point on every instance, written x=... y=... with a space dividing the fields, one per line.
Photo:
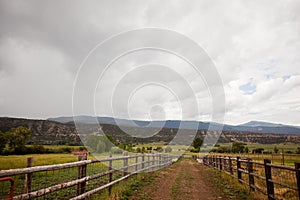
x=168 y=149
x=66 y=149
x=116 y=150
x=158 y=149
x=258 y=150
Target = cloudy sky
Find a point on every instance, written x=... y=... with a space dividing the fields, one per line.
x=254 y=45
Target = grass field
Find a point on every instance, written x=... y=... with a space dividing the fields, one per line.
x=268 y=147
x=42 y=179
x=59 y=146
x=19 y=161
x=45 y=179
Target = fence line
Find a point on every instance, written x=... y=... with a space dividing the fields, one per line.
x=84 y=177
x=275 y=181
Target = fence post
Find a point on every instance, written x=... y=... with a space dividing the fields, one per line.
x=250 y=171
x=28 y=177
x=110 y=174
x=125 y=164
x=220 y=163
x=148 y=162
x=143 y=159
x=153 y=162
x=230 y=165
x=282 y=157
x=159 y=161
x=81 y=174
x=270 y=185
x=136 y=161
x=297 y=168
x=238 y=166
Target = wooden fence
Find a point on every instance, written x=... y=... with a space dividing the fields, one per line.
x=274 y=181
x=78 y=180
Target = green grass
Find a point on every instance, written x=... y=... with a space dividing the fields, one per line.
x=19 y=161
x=228 y=185
x=60 y=146
x=125 y=189
x=268 y=147
x=46 y=179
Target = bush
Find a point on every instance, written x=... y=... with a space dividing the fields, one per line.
x=276 y=150
x=258 y=150
x=159 y=149
x=116 y=150
x=168 y=149
x=222 y=150
x=82 y=148
x=298 y=150
x=195 y=150
x=138 y=150
x=238 y=147
x=288 y=152
x=66 y=149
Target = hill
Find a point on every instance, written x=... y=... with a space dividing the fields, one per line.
x=51 y=132
x=43 y=131
x=253 y=126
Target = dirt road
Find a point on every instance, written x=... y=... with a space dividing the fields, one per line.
x=186 y=179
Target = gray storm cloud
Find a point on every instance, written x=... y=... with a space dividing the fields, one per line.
x=42 y=45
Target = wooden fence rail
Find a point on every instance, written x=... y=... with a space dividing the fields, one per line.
x=87 y=176
x=274 y=181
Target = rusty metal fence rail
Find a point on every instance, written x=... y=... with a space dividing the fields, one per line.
x=274 y=181
x=77 y=180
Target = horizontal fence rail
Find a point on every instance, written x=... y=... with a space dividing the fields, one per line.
x=77 y=180
x=274 y=181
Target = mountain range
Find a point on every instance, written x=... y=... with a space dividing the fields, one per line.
x=56 y=131
x=252 y=126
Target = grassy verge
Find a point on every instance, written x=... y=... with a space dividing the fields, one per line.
x=231 y=187
x=125 y=189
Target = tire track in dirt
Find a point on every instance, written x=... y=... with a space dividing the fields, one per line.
x=185 y=179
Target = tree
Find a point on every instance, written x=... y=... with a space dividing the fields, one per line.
x=168 y=149
x=197 y=142
x=92 y=142
x=145 y=150
x=276 y=150
x=138 y=150
x=129 y=147
x=222 y=150
x=238 y=147
x=258 y=150
x=18 y=137
x=116 y=150
x=298 y=150
x=101 y=146
x=122 y=145
x=3 y=141
x=246 y=149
